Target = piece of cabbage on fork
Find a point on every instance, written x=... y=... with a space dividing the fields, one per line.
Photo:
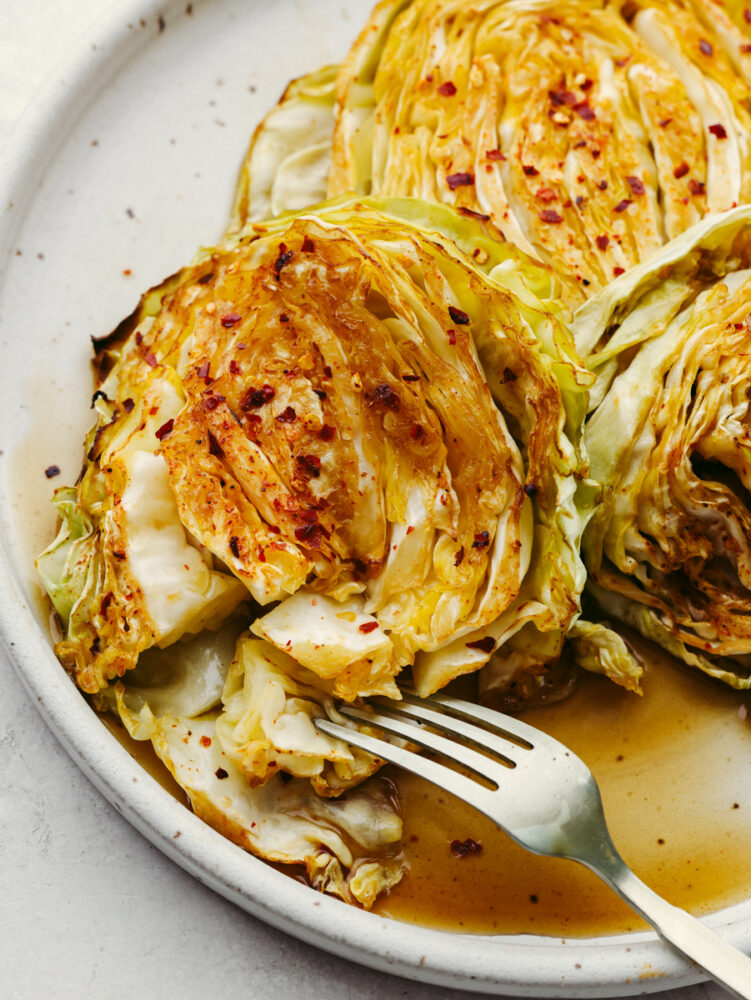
x=359 y=439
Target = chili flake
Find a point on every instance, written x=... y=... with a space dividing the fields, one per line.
x=696 y=187
x=706 y=47
x=128 y=405
x=285 y=256
x=718 y=131
x=623 y=205
x=551 y=216
x=367 y=627
x=681 y=170
x=461 y=848
x=584 y=110
x=451 y=334
x=460 y=180
x=495 y=154
x=384 y=394
x=618 y=271
x=602 y=242
x=234 y=544
x=286 y=416
x=257 y=397
x=230 y=319
x=482 y=540
x=327 y=433
x=459 y=557
x=458 y=316
x=164 y=430
x=636 y=184
x=51 y=471
x=151 y=359
x=308 y=246
x=529 y=170
x=447 y=89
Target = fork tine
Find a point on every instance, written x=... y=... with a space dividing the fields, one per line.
x=487 y=741
x=484 y=767
x=464 y=788
x=497 y=722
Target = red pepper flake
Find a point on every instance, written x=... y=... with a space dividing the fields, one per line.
x=230 y=319
x=241 y=346
x=367 y=627
x=482 y=540
x=311 y=535
x=285 y=256
x=205 y=741
x=747 y=16
x=211 y=402
x=602 y=242
x=508 y=376
x=203 y=371
x=495 y=154
x=584 y=110
x=308 y=466
x=447 y=89
x=327 y=433
x=128 y=405
x=234 y=368
x=636 y=184
x=696 y=187
x=215 y=448
x=51 y=471
x=106 y=601
x=706 y=47
x=460 y=180
x=485 y=645
x=550 y=215
x=416 y=431
x=587 y=85
x=560 y=97
x=595 y=154
x=308 y=246
x=718 y=131
x=458 y=316
x=139 y=337
x=529 y=170
x=151 y=359
x=410 y=378
x=622 y=62
x=461 y=848
x=745 y=49
x=272 y=528
x=321 y=394
x=257 y=397
x=221 y=773
x=665 y=122
x=327 y=371
x=284 y=318
x=602 y=185
x=384 y=394
x=164 y=430
x=451 y=334
x=546 y=195
x=234 y=544
x=618 y=271
x=286 y=416
x=623 y=205
x=681 y=170
x=459 y=557
x=206 y=278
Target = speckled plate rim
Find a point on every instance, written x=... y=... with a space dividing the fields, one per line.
x=528 y=966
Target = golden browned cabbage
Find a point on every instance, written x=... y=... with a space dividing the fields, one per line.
x=668 y=550
x=589 y=132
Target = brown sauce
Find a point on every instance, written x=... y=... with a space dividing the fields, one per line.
x=674 y=768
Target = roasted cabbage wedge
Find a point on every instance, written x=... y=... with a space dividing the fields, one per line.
x=668 y=550
x=588 y=132
x=349 y=442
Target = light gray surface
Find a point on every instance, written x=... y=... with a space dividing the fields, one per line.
x=88 y=908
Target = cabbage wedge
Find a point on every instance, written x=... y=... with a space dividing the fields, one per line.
x=349 y=442
x=669 y=549
x=589 y=133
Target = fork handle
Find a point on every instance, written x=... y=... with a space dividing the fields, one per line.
x=725 y=964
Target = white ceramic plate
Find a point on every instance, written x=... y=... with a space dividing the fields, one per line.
x=126 y=165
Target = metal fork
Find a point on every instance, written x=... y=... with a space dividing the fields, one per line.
x=542 y=795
